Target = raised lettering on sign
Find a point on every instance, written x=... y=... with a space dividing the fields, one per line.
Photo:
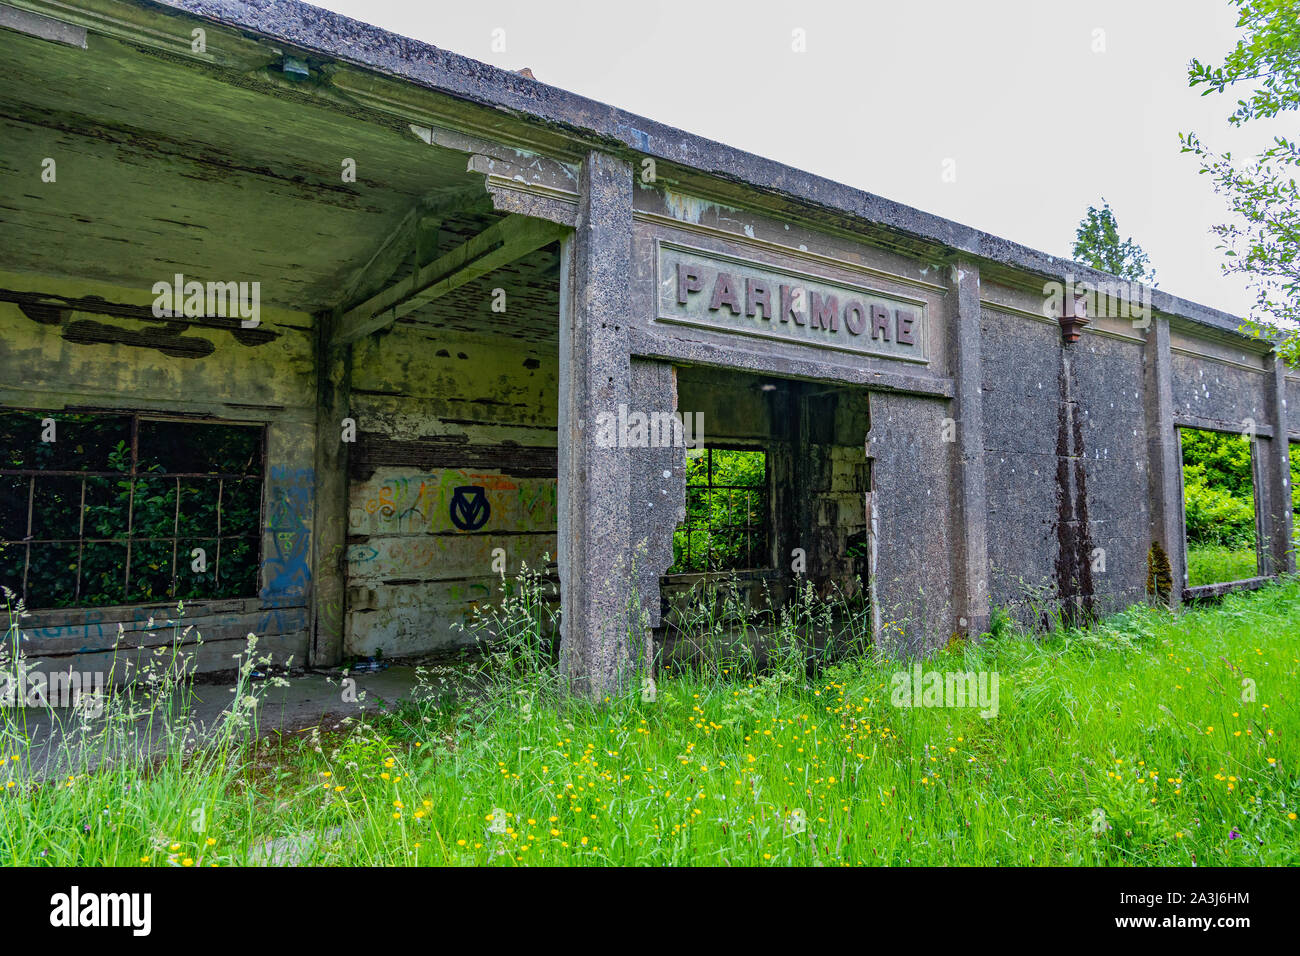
x=728 y=294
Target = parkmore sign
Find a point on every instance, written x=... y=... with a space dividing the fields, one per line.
x=728 y=294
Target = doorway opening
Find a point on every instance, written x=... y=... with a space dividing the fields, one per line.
x=1220 y=515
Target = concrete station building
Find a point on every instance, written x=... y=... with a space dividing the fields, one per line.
x=457 y=284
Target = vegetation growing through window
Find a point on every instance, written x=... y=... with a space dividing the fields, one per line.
x=120 y=509
x=1295 y=497
x=726 y=526
x=1219 y=503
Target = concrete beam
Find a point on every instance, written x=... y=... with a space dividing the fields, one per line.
x=397 y=247
x=971 y=571
x=595 y=546
x=45 y=28
x=500 y=244
x=1164 y=454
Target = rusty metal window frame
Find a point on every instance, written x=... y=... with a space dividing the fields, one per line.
x=755 y=535
x=134 y=475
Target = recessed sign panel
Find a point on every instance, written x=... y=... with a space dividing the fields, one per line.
x=729 y=294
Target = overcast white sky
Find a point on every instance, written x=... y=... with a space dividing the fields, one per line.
x=1038 y=124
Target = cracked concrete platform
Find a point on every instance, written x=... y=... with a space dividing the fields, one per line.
x=307 y=700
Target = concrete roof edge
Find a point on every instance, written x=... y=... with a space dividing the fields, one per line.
x=308 y=27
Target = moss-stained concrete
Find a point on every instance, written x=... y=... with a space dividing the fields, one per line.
x=442 y=434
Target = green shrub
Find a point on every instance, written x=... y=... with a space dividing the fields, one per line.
x=1218 y=495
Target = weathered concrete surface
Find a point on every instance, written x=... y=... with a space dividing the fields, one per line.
x=333 y=394
x=1112 y=470
x=971 y=560
x=596 y=124
x=657 y=488
x=1063 y=470
x=305 y=702
x=1292 y=403
x=1279 y=547
x=911 y=480
x=1020 y=388
x=595 y=482
x=1220 y=394
x=1164 y=455
x=756 y=239
x=439 y=411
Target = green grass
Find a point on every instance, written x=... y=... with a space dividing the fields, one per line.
x=1148 y=739
x=1216 y=564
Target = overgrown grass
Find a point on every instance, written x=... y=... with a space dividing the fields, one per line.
x=1148 y=739
x=1216 y=564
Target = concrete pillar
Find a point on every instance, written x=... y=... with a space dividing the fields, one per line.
x=594 y=482
x=971 y=571
x=1164 y=456
x=1278 y=551
x=330 y=497
x=658 y=489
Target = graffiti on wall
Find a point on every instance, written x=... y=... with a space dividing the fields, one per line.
x=469 y=508
x=413 y=504
x=447 y=525
x=286 y=568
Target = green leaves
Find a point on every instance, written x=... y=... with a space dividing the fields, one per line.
x=111 y=525
x=1097 y=243
x=1218 y=492
x=726 y=512
x=1261 y=193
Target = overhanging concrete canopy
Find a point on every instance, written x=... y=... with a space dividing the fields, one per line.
x=164 y=167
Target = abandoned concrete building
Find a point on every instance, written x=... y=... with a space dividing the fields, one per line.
x=322 y=329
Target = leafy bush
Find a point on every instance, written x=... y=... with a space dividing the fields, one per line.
x=1218 y=490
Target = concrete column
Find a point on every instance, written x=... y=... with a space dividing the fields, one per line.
x=1276 y=469
x=330 y=498
x=658 y=489
x=971 y=578
x=595 y=553
x=1164 y=456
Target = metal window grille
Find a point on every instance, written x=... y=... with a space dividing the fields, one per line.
x=727 y=517
x=124 y=508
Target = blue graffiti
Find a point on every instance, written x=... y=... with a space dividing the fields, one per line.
x=287 y=569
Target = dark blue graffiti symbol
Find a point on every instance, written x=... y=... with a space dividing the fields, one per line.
x=469 y=508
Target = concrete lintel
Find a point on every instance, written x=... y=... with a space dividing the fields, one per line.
x=1214 y=425
x=648 y=343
